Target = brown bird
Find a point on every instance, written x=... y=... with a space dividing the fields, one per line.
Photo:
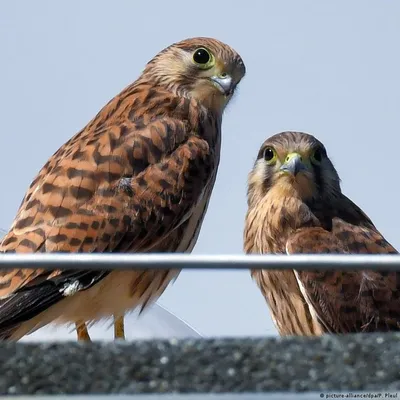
x=137 y=178
x=295 y=205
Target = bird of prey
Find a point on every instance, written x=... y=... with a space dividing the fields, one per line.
x=295 y=205
x=137 y=179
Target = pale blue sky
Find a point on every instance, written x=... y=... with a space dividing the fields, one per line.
x=328 y=68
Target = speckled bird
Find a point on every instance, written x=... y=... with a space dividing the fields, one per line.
x=295 y=205
x=137 y=179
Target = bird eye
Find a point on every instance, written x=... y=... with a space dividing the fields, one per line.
x=269 y=155
x=203 y=58
x=316 y=158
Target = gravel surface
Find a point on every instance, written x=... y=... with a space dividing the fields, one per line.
x=369 y=362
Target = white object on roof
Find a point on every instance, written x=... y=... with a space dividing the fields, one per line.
x=154 y=323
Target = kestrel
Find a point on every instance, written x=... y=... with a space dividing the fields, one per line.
x=296 y=206
x=137 y=179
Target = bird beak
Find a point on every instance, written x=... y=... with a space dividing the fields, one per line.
x=224 y=83
x=293 y=164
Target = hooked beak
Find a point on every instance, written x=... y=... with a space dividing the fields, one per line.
x=224 y=83
x=293 y=164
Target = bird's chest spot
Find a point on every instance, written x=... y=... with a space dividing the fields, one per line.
x=278 y=219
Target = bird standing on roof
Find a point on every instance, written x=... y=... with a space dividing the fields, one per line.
x=295 y=205
x=138 y=178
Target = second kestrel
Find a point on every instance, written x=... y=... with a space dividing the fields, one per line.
x=296 y=206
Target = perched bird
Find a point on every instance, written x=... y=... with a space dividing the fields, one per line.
x=295 y=205
x=137 y=178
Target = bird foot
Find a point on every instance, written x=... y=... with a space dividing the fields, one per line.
x=119 y=330
x=82 y=332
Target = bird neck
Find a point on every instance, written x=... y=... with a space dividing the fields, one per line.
x=211 y=100
x=273 y=217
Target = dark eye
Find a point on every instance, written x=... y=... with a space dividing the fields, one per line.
x=317 y=156
x=201 y=56
x=269 y=154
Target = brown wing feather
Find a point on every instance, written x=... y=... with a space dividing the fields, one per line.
x=348 y=301
x=289 y=309
x=124 y=187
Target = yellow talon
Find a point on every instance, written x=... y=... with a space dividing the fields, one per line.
x=119 y=331
x=82 y=331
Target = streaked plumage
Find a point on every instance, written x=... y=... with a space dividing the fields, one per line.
x=295 y=205
x=137 y=178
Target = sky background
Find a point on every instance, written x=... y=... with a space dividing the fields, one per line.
x=327 y=68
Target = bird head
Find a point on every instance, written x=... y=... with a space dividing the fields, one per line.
x=294 y=164
x=204 y=69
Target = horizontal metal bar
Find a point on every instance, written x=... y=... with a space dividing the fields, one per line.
x=79 y=261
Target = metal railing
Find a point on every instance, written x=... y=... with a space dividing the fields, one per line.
x=79 y=261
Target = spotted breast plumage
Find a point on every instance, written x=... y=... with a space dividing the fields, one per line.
x=295 y=205
x=137 y=178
